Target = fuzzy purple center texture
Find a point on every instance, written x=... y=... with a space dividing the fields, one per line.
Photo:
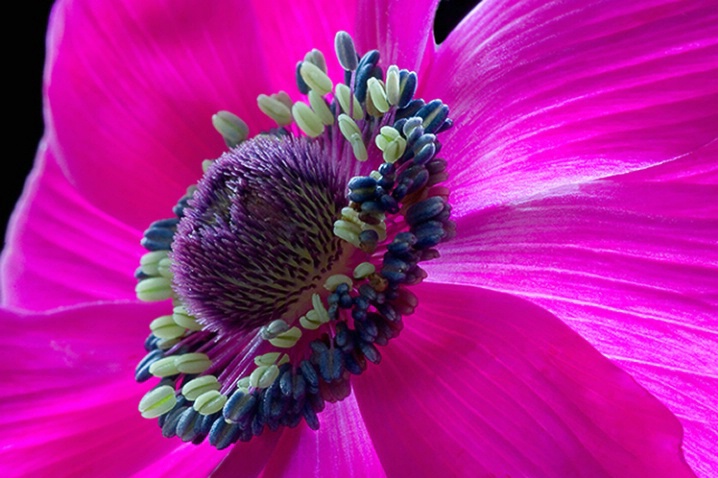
x=258 y=233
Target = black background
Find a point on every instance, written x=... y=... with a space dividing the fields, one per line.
x=25 y=101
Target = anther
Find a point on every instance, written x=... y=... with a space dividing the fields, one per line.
x=192 y=363
x=363 y=270
x=165 y=327
x=378 y=95
x=348 y=102
x=333 y=281
x=346 y=52
x=263 y=376
x=307 y=120
x=157 y=402
x=231 y=127
x=315 y=78
x=200 y=385
x=150 y=262
x=288 y=339
x=182 y=318
x=164 y=367
x=273 y=329
x=210 y=402
x=316 y=58
x=393 y=92
x=319 y=106
x=154 y=289
x=275 y=109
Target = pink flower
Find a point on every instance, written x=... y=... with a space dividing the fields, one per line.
x=582 y=167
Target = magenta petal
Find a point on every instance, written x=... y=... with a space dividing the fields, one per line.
x=631 y=266
x=341 y=447
x=69 y=401
x=545 y=94
x=402 y=30
x=486 y=384
x=131 y=87
x=61 y=250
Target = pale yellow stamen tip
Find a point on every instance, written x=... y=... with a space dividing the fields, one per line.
x=378 y=95
x=315 y=78
x=263 y=376
x=307 y=120
x=165 y=327
x=275 y=109
x=164 y=367
x=365 y=269
x=182 y=318
x=334 y=281
x=286 y=339
x=197 y=386
x=154 y=289
x=210 y=402
x=192 y=363
x=231 y=127
x=319 y=106
x=157 y=402
x=345 y=97
x=149 y=262
x=393 y=92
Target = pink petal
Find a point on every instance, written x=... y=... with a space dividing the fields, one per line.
x=69 y=401
x=631 y=266
x=401 y=30
x=61 y=250
x=341 y=447
x=131 y=87
x=486 y=384
x=552 y=93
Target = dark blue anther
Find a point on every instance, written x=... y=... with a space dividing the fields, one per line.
x=292 y=421
x=429 y=234
x=151 y=342
x=169 y=223
x=410 y=125
x=370 y=58
x=178 y=209
x=310 y=417
x=207 y=421
x=362 y=182
x=388 y=312
x=410 y=109
x=371 y=207
x=424 y=139
x=407 y=87
x=346 y=301
x=425 y=155
x=286 y=379
x=346 y=53
x=142 y=371
x=387 y=168
x=257 y=425
x=367 y=330
x=414 y=135
x=434 y=114
x=348 y=77
x=239 y=405
x=424 y=210
x=157 y=240
x=316 y=401
x=310 y=375
x=223 y=434
x=390 y=204
x=330 y=365
x=358 y=314
x=342 y=289
x=333 y=311
x=370 y=352
x=299 y=387
x=301 y=84
x=354 y=363
x=333 y=298
x=169 y=427
x=361 y=302
x=272 y=402
x=360 y=82
x=399 y=125
x=448 y=123
x=369 y=237
x=139 y=274
x=367 y=292
x=341 y=338
x=189 y=424
x=436 y=166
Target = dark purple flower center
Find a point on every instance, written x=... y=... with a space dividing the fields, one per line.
x=291 y=262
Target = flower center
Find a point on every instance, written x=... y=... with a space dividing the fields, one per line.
x=293 y=257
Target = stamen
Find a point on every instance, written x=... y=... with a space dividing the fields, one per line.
x=307 y=119
x=288 y=339
x=165 y=327
x=231 y=127
x=319 y=106
x=157 y=402
x=154 y=289
x=393 y=92
x=346 y=53
x=275 y=109
x=344 y=95
x=378 y=95
x=209 y=402
x=200 y=385
x=315 y=78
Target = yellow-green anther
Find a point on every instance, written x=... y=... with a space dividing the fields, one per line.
x=393 y=92
x=231 y=127
x=157 y=402
x=287 y=339
x=348 y=231
x=164 y=268
x=394 y=150
x=348 y=127
x=365 y=269
x=192 y=363
x=267 y=359
x=345 y=96
x=153 y=289
x=150 y=262
x=197 y=386
x=243 y=383
x=263 y=376
x=310 y=321
x=351 y=215
x=164 y=367
x=358 y=147
x=315 y=78
x=345 y=50
x=307 y=120
x=376 y=175
x=165 y=327
x=389 y=132
x=166 y=344
x=273 y=329
x=333 y=282
x=378 y=95
x=319 y=106
x=316 y=57
x=319 y=308
x=209 y=402
x=182 y=318
x=275 y=109
x=284 y=98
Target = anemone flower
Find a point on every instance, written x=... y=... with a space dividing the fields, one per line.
x=546 y=244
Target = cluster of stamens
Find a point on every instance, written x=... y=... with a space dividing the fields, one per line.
x=229 y=377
